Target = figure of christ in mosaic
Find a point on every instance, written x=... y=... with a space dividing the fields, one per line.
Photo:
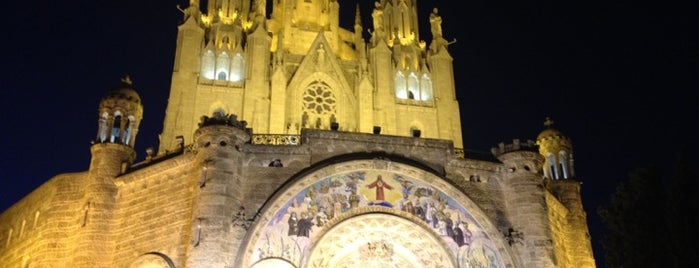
x=379 y=184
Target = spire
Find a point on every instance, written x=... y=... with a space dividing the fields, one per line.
x=357 y=17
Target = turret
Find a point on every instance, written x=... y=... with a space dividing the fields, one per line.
x=572 y=238
x=525 y=201
x=220 y=191
x=120 y=113
x=558 y=151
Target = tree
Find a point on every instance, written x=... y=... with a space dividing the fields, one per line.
x=636 y=228
x=682 y=215
x=651 y=223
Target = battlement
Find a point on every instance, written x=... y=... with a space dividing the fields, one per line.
x=516 y=145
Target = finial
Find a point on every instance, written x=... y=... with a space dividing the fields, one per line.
x=127 y=80
x=548 y=122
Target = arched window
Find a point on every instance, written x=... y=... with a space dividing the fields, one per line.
x=129 y=130
x=238 y=68
x=413 y=87
x=552 y=167
x=400 y=86
x=207 y=65
x=116 y=128
x=102 y=132
x=222 y=64
x=564 y=164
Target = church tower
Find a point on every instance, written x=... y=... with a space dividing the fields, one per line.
x=566 y=212
x=296 y=68
x=120 y=112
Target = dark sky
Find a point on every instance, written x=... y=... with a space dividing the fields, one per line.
x=618 y=77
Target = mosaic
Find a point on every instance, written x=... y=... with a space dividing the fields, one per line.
x=289 y=234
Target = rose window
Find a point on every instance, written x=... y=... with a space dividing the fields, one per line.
x=318 y=99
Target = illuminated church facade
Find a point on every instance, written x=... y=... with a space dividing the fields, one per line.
x=289 y=141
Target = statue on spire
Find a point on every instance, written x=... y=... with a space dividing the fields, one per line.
x=377 y=15
x=548 y=122
x=436 y=24
x=127 y=80
x=438 y=40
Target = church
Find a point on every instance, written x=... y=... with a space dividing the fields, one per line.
x=289 y=141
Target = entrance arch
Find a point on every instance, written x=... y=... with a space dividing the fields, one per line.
x=375 y=237
x=378 y=211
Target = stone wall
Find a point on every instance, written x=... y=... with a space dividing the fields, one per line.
x=39 y=229
x=153 y=212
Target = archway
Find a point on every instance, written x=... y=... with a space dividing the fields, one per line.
x=375 y=237
x=373 y=211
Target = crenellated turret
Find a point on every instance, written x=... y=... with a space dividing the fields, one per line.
x=219 y=192
x=525 y=199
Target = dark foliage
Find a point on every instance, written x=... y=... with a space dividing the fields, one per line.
x=651 y=223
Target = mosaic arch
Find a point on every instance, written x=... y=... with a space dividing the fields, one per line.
x=373 y=212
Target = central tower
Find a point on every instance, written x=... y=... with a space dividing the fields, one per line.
x=296 y=68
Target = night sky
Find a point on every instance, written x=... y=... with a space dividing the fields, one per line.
x=618 y=77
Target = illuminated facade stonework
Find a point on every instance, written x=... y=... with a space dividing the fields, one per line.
x=289 y=141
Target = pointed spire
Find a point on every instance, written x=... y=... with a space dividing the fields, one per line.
x=357 y=17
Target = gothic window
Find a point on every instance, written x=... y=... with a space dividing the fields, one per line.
x=564 y=164
x=400 y=85
x=238 y=68
x=102 y=133
x=413 y=86
x=207 y=65
x=222 y=64
x=318 y=105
